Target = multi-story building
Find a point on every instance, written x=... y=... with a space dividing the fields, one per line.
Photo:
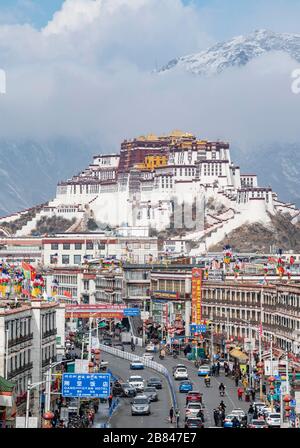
x=30 y=335
x=235 y=308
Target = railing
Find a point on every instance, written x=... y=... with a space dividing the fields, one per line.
x=19 y=370
x=148 y=363
x=20 y=340
x=48 y=333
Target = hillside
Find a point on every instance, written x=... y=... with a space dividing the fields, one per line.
x=281 y=233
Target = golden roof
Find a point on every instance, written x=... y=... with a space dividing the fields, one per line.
x=178 y=133
x=151 y=137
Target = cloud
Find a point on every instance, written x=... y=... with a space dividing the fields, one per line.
x=88 y=73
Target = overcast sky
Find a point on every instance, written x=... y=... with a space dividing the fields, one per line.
x=85 y=68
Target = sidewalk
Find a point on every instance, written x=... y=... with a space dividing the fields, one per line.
x=102 y=416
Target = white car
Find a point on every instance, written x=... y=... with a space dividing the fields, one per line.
x=150 y=348
x=273 y=420
x=192 y=409
x=137 y=382
x=181 y=374
x=238 y=413
x=204 y=370
x=148 y=356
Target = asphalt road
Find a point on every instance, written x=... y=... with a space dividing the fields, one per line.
x=122 y=417
x=160 y=410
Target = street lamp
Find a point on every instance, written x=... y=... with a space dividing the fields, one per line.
x=30 y=386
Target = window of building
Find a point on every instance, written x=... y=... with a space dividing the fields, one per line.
x=66 y=246
x=78 y=246
x=54 y=246
x=77 y=259
x=65 y=259
x=53 y=259
x=90 y=246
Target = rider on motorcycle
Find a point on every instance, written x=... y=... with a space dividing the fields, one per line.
x=222 y=388
x=162 y=353
x=207 y=380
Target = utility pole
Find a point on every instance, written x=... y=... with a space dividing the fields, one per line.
x=6 y=353
x=27 y=404
x=271 y=368
x=48 y=388
x=90 y=339
x=259 y=341
x=227 y=334
x=211 y=339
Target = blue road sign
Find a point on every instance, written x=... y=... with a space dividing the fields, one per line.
x=86 y=385
x=132 y=312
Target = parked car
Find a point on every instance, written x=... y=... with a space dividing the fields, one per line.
x=193 y=409
x=151 y=393
x=107 y=341
x=258 y=424
x=140 y=405
x=185 y=386
x=154 y=382
x=181 y=374
x=194 y=422
x=194 y=396
x=150 y=348
x=136 y=365
x=137 y=382
x=273 y=420
x=204 y=370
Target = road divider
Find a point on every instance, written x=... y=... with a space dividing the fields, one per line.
x=148 y=363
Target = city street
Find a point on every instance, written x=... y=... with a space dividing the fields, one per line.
x=160 y=410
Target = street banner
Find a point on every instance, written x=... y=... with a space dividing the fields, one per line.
x=196 y=295
x=271 y=368
x=297 y=398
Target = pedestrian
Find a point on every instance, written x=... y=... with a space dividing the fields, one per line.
x=110 y=398
x=96 y=407
x=253 y=394
x=213 y=370
x=218 y=369
x=240 y=392
x=216 y=417
x=235 y=422
x=236 y=379
x=264 y=389
x=247 y=395
x=171 y=414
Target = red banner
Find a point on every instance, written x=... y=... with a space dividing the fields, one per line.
x=196 y=296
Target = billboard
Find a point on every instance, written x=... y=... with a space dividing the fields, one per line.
x=196 y=295
x=86 y=385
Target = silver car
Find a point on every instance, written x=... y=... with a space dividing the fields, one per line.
x=140 y=405
x=151 y=393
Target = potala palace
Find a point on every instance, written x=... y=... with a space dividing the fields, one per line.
x=140 y=186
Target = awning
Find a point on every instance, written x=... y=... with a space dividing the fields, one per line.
x=235 y=353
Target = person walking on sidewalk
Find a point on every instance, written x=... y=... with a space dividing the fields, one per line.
x=240 y=392
x=171 y=414
x=110 y=398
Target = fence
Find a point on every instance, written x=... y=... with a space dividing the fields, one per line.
x=148 y=363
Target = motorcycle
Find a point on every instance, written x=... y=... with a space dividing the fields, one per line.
x=207 y=383
x=222 y=393
x=161 y=356
x=175 y=355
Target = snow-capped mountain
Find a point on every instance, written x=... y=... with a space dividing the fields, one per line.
x=236 y=52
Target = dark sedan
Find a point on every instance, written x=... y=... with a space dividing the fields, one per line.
x=154 y=382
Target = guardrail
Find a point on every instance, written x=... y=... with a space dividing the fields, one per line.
x=148 y=363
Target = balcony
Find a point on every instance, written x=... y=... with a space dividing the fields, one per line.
x=20 y=340
x=48 y=333
x=19 y=370
x=47 y=361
